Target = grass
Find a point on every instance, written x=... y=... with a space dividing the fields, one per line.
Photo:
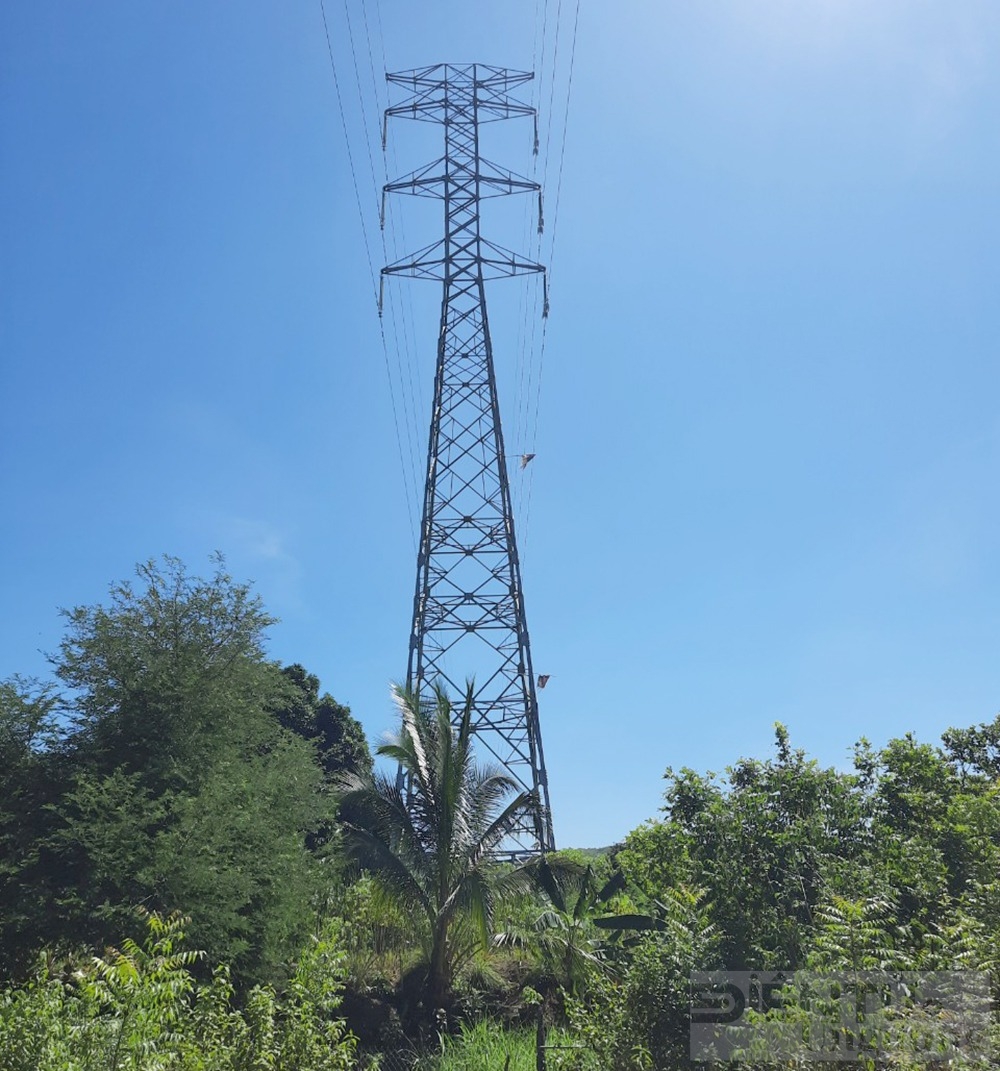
x=487 y=1047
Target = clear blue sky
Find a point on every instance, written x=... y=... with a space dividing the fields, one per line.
x=768 y=435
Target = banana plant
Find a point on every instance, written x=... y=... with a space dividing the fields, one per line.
x=562 y=934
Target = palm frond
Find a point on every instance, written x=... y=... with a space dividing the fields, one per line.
x=387 y=869
x=430 y=842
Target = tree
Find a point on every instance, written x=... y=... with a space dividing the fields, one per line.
x=339 y=739
x=429 y=846
x=976 y=751
x=181 y=788
x=763 y=847
x=637 y=1017
x=29 y=776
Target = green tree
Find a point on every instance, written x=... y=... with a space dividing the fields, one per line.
x=763 y=845
x=430 y=847
x=561 y=931
x=975 y=751
x=855 y=935
x=924 y=844
x=29 y=779
x=339 y=739
x=182 y=789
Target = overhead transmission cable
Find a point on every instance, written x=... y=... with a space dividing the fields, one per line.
x=555 y=223
x=528 y=307
x=371 y=264
x=412 y=436
x=403 y=328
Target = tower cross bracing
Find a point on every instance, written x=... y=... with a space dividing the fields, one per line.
x=468 y=607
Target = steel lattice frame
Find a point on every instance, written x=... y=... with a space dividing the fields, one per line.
x=468 y=607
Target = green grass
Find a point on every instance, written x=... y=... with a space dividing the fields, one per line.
x=487 y=1045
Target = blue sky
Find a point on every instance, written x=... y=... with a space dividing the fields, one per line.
x=767 y=436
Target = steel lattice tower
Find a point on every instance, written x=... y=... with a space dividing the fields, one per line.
x=468 y=607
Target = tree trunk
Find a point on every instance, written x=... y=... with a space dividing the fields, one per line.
x=439 y=976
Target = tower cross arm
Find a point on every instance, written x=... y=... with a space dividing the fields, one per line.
x=506 y=263
x=439 y=74
x=433 y=90
x=431 y=262
x=427 y=181
x=502 y=181
x=430 y=180
x=434 y=109
x=426 y=263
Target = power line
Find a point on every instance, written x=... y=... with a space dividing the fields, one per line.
x=409 y=422
x=531 y=438
x=562 y=148
x=400 y=302
x=405 y=356
x=529 y=310
x=371 y=265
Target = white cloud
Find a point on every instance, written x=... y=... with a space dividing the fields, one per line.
x=259 y=549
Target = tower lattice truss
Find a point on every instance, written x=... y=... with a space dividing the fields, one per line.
x=468 y=608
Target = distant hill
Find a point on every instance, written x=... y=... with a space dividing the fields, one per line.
x=592 y=853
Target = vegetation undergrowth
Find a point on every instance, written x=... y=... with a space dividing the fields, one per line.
x=488 y=1046
x=141 y=1009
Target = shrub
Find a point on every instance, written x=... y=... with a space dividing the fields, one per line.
x=140 y=1009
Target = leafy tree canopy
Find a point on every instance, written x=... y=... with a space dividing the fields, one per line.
x=339 y=739
x=173 y=776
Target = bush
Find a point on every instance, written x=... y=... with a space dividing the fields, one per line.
x=141 y=1009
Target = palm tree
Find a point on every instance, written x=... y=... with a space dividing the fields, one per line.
x=428 y=839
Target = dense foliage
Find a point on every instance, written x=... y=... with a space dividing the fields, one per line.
x=176 y=768
x=141 y=1009
x=891 y=866
x=171 y=767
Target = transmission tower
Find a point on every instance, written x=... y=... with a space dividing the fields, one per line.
x=468 y=606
